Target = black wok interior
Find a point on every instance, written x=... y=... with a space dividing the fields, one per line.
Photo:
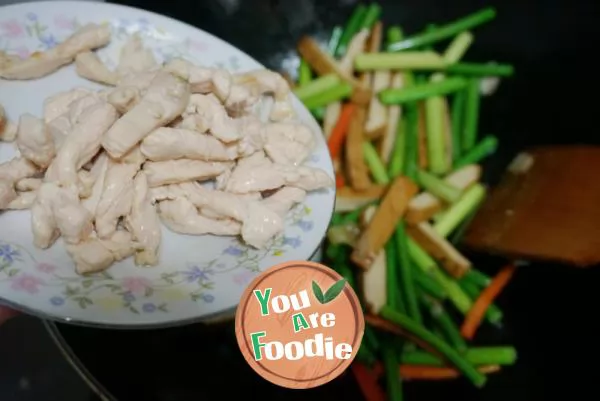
x=549 y=310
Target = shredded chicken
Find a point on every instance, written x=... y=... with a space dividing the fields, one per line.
x=198 y=149
x=90 y=37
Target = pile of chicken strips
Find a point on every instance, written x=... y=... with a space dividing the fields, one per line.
x=177 y=143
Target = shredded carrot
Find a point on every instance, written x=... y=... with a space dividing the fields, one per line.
x=338 y=134
x=486 y=298
x=340 y=182
x=367 y=382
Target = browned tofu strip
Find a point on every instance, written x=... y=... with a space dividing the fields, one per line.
x=438 y=247
x=324 y=64
x=377 y=115
x=355 y=165
x=423 y=206
x=347 y=199
x=387 y=216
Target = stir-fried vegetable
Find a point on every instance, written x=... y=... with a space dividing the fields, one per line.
x=401 y=120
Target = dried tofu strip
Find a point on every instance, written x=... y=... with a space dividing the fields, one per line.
x=423 y=206
x=324 y=64
x=346 y=199
x=356 y=168
x=388 y=215
x=394 y=115
x=332 y=115
x=438 y=247
x=380 y=80
x=357 y=45
x=372 y=282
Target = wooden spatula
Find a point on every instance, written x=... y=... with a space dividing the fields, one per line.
x=546 y=208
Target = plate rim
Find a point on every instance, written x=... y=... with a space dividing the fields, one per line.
x=57 y=318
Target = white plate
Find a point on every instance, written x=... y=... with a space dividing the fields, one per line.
x=198 y=277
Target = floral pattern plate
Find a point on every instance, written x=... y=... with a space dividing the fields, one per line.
x=198 y=277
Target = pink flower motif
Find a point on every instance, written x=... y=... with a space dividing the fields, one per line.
x=197 y=46
x=26 y=282
x=243 y=278
x=12 y=29
x=64 y=22
x=46 y=267
x=135 y=285
x=22 y=52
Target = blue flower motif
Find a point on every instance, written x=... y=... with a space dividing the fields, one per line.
x=57 y=301
x=294 y=242
x=221 y=265
x=8 y=254
x=49 y=41
x=32 y=16
x=149 y=308
x=233 y=251
x=128 y=297
x=305 y=225
x=208 y=298
x=195 y=274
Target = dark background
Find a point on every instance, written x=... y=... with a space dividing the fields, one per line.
x=550 y=311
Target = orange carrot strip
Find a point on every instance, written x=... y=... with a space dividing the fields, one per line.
x=338 y=134
x=486 y=298
x=340 y=182
x=367 y=383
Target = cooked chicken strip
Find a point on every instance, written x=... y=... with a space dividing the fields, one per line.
x=173 y=143
x=165 y=99
x=265 y=177
x=43 y=222
x=253 y=136
x=62 y=126
x=283 y=200
x=116 y=198
x=28 y=184
x=143 y=223
x=59 y=104
x=124 y=98
x=261 y=225
x=16 y=169
x=95 y=255
x=181 y=216
x=135 y=58
x=202 y=79
x=74 y=221
x=34 y=141
x=288 y=143
x=11 y=172
x=7 y=193
x=210 y=115
x=81 y=145
x=259 y=222
x=221 y=179
x=269 y=82
x=181 y=170
x=88 y=65
x=24 y=200
x=140 y=81
x=90 y=37
x=8 y=133
x=95 y=186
